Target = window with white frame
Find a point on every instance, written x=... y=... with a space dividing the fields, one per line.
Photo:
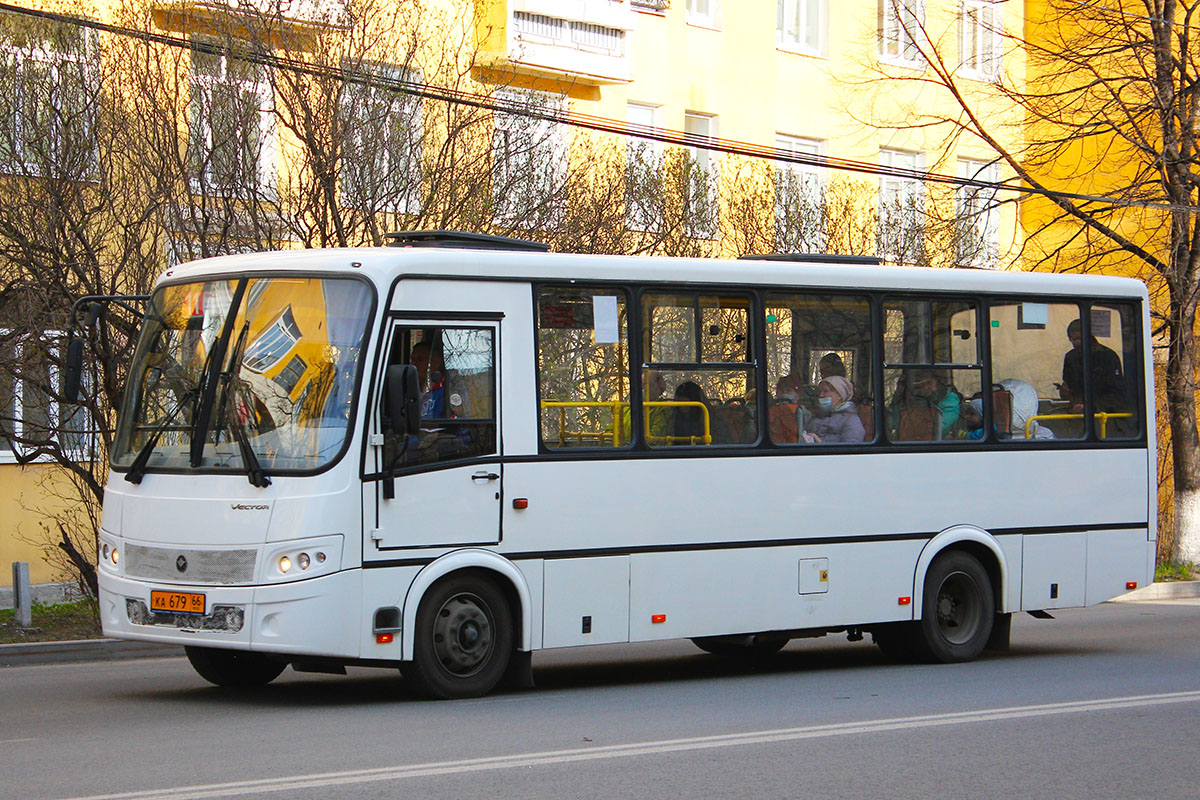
x=529 y=157
x=29 y=412
x=381 y=149
x=901 y=26
x=643 y=168
x=901 y=205
x=49 y=81
x=704 y=12
x=977 y=224
x=798 y=190
x=799 y=24
x=700 y=215
x=981 y=26
x=231 y=142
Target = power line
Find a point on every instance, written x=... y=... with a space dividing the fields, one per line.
x=587 y=121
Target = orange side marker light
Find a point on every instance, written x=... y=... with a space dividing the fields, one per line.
x=905 y=601
x=383 y=638
x=520 y=502
x=655 y=619
x=1130 y=585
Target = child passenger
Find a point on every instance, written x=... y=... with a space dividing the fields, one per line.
x=836 y=417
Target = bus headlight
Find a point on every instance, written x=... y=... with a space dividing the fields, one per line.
x=306 y=558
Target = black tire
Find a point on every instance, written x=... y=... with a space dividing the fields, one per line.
x=234 y=668
x=743 y=647
x=957 y=610
x=463 y=639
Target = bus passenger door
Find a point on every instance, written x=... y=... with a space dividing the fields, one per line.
x=441 y=487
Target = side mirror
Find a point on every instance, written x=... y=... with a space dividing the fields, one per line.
x=73 y=370
x=402 y=399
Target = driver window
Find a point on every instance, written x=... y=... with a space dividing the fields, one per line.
x=457 y=379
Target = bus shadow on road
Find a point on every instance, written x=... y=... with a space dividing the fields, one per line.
x=605 y=666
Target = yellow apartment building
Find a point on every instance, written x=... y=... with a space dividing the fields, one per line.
x=793 y=122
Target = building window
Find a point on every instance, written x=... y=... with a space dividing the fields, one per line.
x=231 y=145
x=700 y=214
x=976 y=231
x=799 y=24
x=901 y=207
x=381 y=152
x=704 y=12
x=49 y=84
x=901 y=26
x=981 y=24
x=529 y=158
x=643 y=169
x=798 y=196
x=30 y=416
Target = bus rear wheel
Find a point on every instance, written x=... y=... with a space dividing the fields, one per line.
x=464 y=639
x=957 y=610
x=234 y=668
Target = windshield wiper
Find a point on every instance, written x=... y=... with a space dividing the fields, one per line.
x=210 y=377
x=254 y=470
x=137 y=470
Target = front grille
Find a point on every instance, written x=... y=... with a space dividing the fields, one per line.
x=228 y=619
x=224 y=567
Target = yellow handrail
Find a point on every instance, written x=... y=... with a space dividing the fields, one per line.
x=618 y=430
x=1103 y=416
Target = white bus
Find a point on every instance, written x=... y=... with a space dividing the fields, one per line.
x=446 y=454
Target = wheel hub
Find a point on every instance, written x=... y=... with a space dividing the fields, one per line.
x=462 y=635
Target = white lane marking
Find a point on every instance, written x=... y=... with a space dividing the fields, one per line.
x=16 y=741
x=551 y=757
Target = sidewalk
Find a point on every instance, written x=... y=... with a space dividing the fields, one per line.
x=20 y=655
x=13 y=655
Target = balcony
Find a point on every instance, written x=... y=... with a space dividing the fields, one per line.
x=585 y=41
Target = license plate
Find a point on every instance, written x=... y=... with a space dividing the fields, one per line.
x=177 y=602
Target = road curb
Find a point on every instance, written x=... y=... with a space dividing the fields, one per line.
x=13 y=655
x=1167 y=590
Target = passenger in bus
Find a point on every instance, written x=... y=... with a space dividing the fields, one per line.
x=687 y=422
x=431 y=380
x=658 y=418
x=926 y=387
x=1108 y=382
x=836 y=417
x=1024 y=407
x=786 y=415
x=831 y=364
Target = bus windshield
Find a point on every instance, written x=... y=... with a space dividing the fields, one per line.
x=246 y=375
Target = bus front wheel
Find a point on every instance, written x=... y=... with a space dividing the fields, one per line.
x=957 y=610
x=234 y=668
x=463 y=639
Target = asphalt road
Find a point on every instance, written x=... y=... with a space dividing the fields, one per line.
x=1098 y=703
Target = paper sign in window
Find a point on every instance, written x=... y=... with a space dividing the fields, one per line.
x=605 y=323
x=1035 y=313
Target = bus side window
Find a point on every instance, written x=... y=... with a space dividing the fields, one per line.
x=583 y=367
x=457 y=379
x=932 y=366
x=819 y=344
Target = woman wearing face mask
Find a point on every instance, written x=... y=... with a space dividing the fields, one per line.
x=836 y=417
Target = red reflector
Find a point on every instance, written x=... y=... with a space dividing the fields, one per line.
x=520 y=502
x=1131 y=585
x=905 y=601
x=383 y=638
x=657 y=618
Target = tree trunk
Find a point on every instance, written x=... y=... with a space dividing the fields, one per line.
x=1185 y=446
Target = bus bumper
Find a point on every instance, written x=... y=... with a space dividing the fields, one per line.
x=315 y=617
